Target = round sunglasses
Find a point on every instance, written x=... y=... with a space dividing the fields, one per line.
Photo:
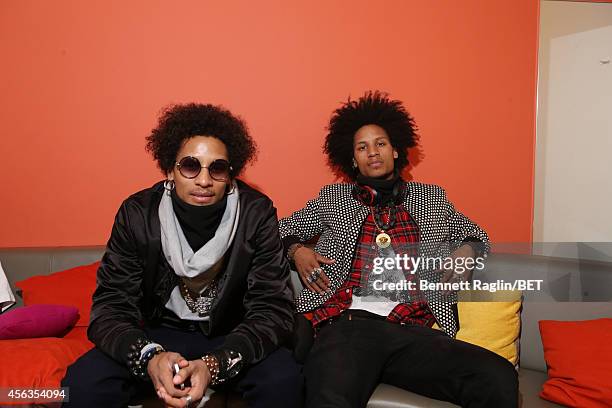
x=190 y=167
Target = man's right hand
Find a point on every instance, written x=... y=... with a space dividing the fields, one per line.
x=308 y=261
x=160 y=369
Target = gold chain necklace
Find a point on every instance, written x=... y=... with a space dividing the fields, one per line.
x=383 y=240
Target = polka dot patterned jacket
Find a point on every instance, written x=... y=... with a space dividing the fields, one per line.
x=336 y=216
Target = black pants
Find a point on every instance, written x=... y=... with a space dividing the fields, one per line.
x=350 y=357
x=96 y=380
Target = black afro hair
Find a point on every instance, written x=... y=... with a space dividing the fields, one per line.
x=374 y=108
x=177 y=123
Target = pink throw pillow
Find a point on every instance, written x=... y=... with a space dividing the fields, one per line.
x=37 y=321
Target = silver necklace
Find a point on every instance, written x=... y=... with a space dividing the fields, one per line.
x=202 y=303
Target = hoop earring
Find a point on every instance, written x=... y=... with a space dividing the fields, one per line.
x=354 y=163
x=232 y=189
x=168 y=186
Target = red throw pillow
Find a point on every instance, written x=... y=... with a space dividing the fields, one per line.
x=579 y=357
x=37 y=321
x=72 y=287
x=38 y=363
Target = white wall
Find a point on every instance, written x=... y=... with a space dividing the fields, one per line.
x=573 y=178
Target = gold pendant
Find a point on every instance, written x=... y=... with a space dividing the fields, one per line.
x=383 y=240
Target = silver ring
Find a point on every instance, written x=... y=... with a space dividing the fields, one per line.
x=314 y=276
x=188 y=399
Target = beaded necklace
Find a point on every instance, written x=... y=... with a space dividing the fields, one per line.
x=383 y=240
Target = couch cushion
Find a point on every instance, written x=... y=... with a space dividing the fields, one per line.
x=572 y=289
x=38 y=363
x=491 y=320
x=494 y=325
x=22 y=263
x=388 y=396
x=579 y=358
x=37 y=321
x=72 y=287
x=532 y=354
x=530 y=385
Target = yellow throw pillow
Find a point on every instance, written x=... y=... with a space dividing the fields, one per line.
x=494 y=324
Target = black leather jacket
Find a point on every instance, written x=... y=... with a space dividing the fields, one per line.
x=254 y=307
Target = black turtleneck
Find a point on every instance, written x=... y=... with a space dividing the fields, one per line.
x=199 y=223
x=382 y=187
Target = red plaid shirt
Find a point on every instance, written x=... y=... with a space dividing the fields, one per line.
x=404 y=240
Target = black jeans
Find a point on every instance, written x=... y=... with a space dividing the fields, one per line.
x=350 y=357
x=96 y=380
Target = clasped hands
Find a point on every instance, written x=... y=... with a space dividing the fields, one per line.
x=167 y=384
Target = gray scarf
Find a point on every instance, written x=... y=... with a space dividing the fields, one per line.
x=180 y=255
x=177 y=250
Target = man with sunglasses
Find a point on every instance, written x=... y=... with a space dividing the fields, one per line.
x=193 y=288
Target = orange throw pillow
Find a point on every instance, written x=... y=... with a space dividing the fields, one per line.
x=38 y=363
x=72 y=287
x=579 y=357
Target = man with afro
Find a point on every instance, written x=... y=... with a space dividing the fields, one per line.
x=193 y=290
x=372 y=323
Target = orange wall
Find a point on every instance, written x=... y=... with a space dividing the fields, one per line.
x=81 y=84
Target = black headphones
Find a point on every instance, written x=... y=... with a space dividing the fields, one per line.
x=369 y=196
